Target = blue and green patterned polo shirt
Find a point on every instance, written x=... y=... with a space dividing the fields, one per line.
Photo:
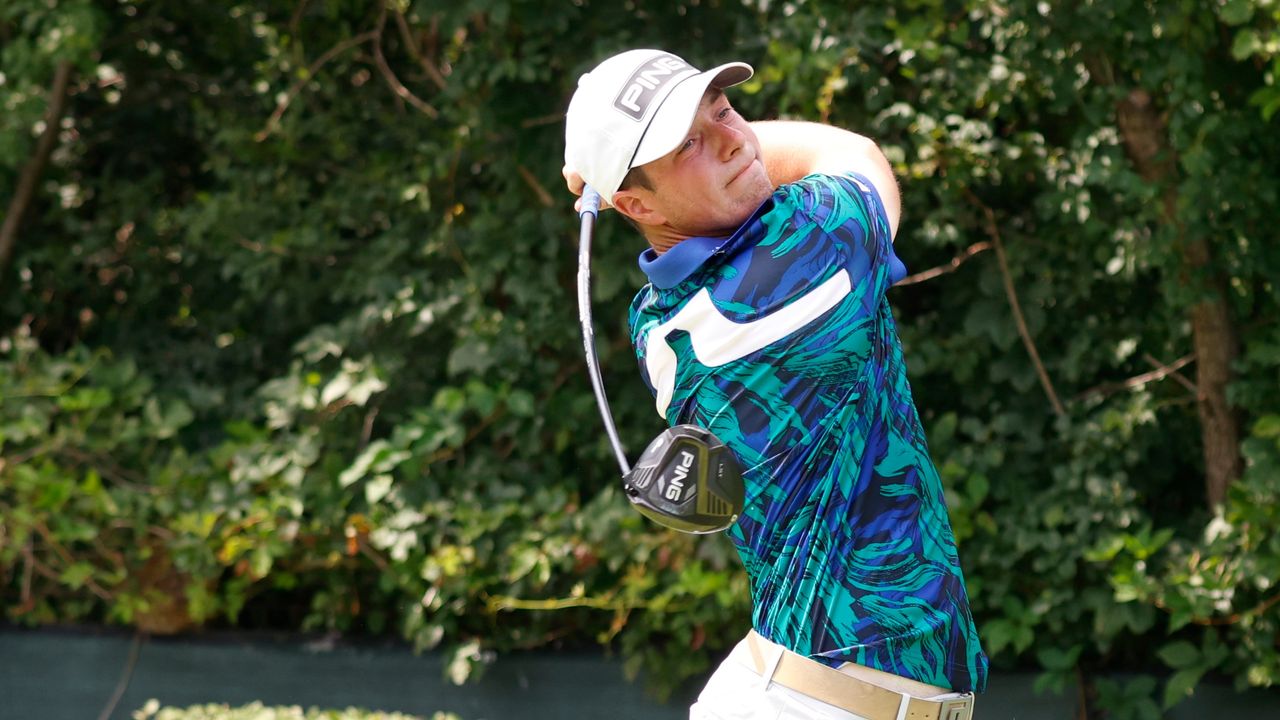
x=779 y=339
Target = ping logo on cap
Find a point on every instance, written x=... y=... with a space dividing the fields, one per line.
x=644 y=84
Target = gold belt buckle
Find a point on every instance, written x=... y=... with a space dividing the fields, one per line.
x=957 y=709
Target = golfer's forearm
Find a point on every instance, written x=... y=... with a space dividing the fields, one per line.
x=794 y=149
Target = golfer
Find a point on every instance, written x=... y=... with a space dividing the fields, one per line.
x=765 y=321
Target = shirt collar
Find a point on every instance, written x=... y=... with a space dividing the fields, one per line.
x=673 y=266
x=676 y=265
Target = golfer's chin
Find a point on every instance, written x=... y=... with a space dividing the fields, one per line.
x=750 y=187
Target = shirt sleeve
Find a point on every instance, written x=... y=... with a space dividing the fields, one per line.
x=847 y=209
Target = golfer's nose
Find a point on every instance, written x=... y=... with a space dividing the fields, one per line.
x=730 y=140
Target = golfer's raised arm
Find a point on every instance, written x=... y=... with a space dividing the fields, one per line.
x=794 y=149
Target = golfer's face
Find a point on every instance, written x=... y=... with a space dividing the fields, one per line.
x=715 y=179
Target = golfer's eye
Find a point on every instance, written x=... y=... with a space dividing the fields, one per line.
x=724 y=113
x=688 y=144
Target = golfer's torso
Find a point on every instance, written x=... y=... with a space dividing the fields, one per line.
x=784 y=346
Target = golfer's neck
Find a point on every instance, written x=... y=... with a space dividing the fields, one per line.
x=664 y=237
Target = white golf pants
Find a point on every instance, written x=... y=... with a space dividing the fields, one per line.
x=737 y=692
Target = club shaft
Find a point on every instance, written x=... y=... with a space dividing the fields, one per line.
x=590 y=207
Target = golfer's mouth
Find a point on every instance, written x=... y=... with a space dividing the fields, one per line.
x=741 y=172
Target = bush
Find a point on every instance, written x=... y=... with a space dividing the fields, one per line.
x=257 y=711
x=289 y=337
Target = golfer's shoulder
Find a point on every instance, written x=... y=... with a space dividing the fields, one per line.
x=840 y=196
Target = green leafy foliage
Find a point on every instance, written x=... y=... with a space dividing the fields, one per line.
x=289 y=339
x=1256 y=26
x=257 y=711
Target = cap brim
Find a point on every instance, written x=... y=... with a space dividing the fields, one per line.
x=672 y=120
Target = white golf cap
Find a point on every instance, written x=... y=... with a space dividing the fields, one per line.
x=634 y=108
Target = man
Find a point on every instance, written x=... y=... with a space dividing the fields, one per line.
x=765 y=321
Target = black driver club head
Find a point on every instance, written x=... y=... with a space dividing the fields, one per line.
x=687 y=480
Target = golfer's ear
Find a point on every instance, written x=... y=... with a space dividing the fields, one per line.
x=636 y=206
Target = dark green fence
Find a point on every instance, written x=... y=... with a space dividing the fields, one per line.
x=74 y=674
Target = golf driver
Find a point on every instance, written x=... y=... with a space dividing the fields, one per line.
x=686 y=479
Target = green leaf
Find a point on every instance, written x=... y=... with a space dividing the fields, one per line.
x=1106 y=550
x=1236 y=12
x=1261 y=676
x=1268 y=426
x=82 y=399
x=167 y=417
x=1247 y=43
x=1269 y=100
x=1181 y=686
x=979 y=486
x=337 y=388
x=471 y=356
x=521 y=403
x=372 y=457
x=260 y=561
x=1050 y=681
x=1179 y=618
x=1056 y=659
x=76 y=575
x=525 y=561
x=1179 y=655
x=997 y=634
x=377 y=488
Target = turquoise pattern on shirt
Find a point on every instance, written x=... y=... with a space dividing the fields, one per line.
x=845 y=535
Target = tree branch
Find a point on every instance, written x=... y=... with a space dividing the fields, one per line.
x=1173 y=372
x=994 y=232
x=296 y=18
x=498 y=603
x=28 y=569
x=427 y=66
x=62 y=552
x=950 y=267
x=544 y=197
x=551 y=119
x=1232 y=619
x=396 y=86
x=1082 y=694
x=34 y=168
x=273 y=122
x=1161 y=372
